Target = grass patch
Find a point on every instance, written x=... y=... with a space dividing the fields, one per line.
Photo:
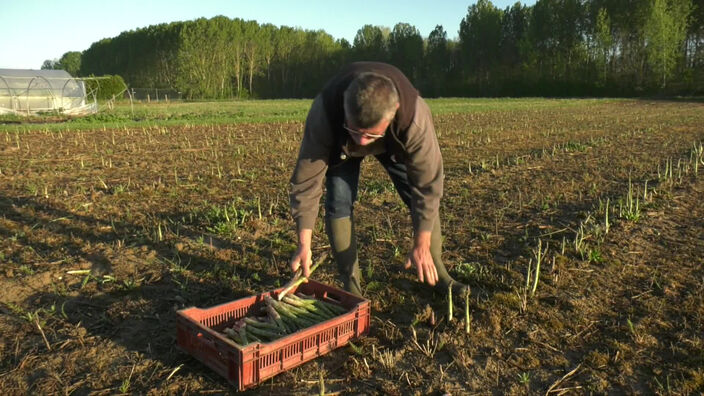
x=252 y=111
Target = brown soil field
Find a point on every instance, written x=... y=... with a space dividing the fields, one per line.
x=163 y=218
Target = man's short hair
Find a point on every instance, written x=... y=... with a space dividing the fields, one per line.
x=369 y=99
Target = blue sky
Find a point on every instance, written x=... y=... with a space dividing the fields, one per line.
x=32 y=31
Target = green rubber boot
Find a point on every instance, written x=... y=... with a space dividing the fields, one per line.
x=444 y=279
x=344 y=247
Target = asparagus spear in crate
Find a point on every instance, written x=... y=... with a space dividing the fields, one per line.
x=335 y=309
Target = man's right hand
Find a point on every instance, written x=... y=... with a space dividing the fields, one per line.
x=303 y=256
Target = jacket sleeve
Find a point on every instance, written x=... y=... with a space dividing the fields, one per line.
x=425 y=168
x=307 y=179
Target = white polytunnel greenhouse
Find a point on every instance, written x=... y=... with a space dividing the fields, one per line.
x=30 y=92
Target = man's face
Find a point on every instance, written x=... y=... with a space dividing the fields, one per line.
x=365 y=136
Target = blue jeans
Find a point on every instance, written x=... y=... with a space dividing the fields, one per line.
x=342 y=182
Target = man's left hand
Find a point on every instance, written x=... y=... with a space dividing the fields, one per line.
x=421 y=258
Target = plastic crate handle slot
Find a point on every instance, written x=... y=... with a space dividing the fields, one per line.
x=206 y=339
x=332 y=296
x=209 y=342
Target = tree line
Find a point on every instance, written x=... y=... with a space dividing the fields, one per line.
x=552 y=48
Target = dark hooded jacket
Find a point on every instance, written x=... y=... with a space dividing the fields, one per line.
x=410 y=139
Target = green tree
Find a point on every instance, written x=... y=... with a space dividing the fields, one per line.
x=253 y=42
x=71 y=62
x=480 y=35
x=406 y=49
x=49 y=64
x=371 y=43
x=197 y=44
x=514 y=30
x=437 y=63
x=628 y=60
x=516 y=51
x=665 y=32
x=695 y=47
x=317 y=63
x=267 y=36
x=557 y=34
x=288 y=46
x=236 y=59
x=208 y=56
x=603 y=43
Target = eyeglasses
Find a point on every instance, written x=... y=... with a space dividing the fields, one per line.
x=362 y=134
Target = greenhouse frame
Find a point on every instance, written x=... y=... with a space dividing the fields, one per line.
x=32 y=92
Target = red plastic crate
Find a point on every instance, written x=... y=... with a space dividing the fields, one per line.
x=199 y=334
